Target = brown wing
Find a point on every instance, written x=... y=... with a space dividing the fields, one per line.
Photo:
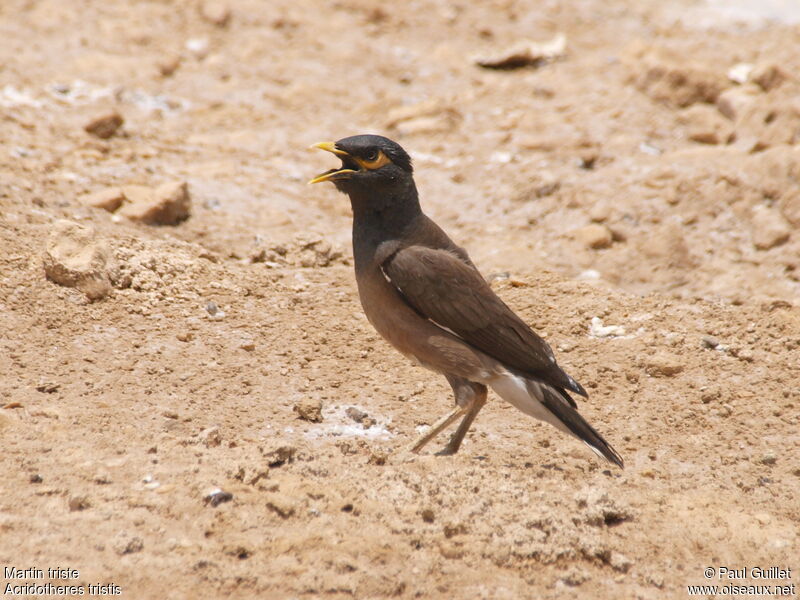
x=443 y=288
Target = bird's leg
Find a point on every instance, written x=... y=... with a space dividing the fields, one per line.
x=477 y=398
x=437 y=428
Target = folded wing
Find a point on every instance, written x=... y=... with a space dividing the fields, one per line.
x=441 y=287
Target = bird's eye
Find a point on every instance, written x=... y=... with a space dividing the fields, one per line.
x=371 y=155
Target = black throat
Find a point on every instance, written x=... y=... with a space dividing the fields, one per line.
x=381 y=215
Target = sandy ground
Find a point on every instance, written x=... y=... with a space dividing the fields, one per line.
x=634 y=181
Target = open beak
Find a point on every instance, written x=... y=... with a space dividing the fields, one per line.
x=342 y=172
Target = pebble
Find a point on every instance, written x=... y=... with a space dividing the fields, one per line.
x=790 y=206
x=281 y=504
x=526 y=53
x=594 y=236
x=573 y=577
x=680 y=83
x=109 y=199
x=78 y=503
x=378 y=457
x=740 y=72
x=706 y=125
x=216 y=13
x=309 y=409
x=48 y=387
x=35 y=478
x=277 y=457
x=620 y=562
x=598 y=330
x=356 y=414
x=211 y=437
x=168 y=204
x=710 y=342
x=768 y=459
x=102 y=478
x=76 y=257
x=768 y=76
x=769 y=228
x=167 y=66
x=198 y=47
x=733 y=103
x=663 y=365
x=217 y=496
x=105 y=125
x=127 y=544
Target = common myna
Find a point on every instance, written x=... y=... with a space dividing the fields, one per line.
x=425 y=296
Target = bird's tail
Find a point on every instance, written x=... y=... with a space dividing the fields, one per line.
x=544 y=402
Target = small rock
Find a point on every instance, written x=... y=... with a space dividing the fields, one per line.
x=309 y=409
x=547 y=187
x=277 y=457
x=198 y=47
x=48 y=387
x=79 y=503
x=600 y=211
x=710 y=342
x=216 y=497
x=525 y=54
x=237 y=551
x=574 y=577
x=667 y=79
x=451 y=550
x=216 y=13
x=427 y=515
x=102 y=478
x=768 y=76
x=356 y=414
x=126 y=544
x=598 y=330
x=185 y=336
x=280 y=504
x=736 y=102
x=768 y=459
x=378 y=457
x=620 y=562
x=105 y=125
x=212 y=308
x=75 y=257
x=109 y=199
x=35 y=478
x=247 y=345
x=662 y=365
x=769 y=227
x=790 y=206
x=740 y=73
x=211 y=437
x=168 y=204
x=168 y=65
x=705 y=125
x=594 y=236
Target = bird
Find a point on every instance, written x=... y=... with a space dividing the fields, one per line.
x=425 y=296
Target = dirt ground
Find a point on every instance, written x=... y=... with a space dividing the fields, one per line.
x=635 y=198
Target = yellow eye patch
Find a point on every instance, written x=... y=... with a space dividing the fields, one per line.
x=377 y=163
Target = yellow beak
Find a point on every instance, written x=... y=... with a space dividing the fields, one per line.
x=333 y=173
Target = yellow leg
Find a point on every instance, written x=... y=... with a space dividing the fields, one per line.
x=437 y=428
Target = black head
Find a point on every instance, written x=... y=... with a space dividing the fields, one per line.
x=370 y=163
